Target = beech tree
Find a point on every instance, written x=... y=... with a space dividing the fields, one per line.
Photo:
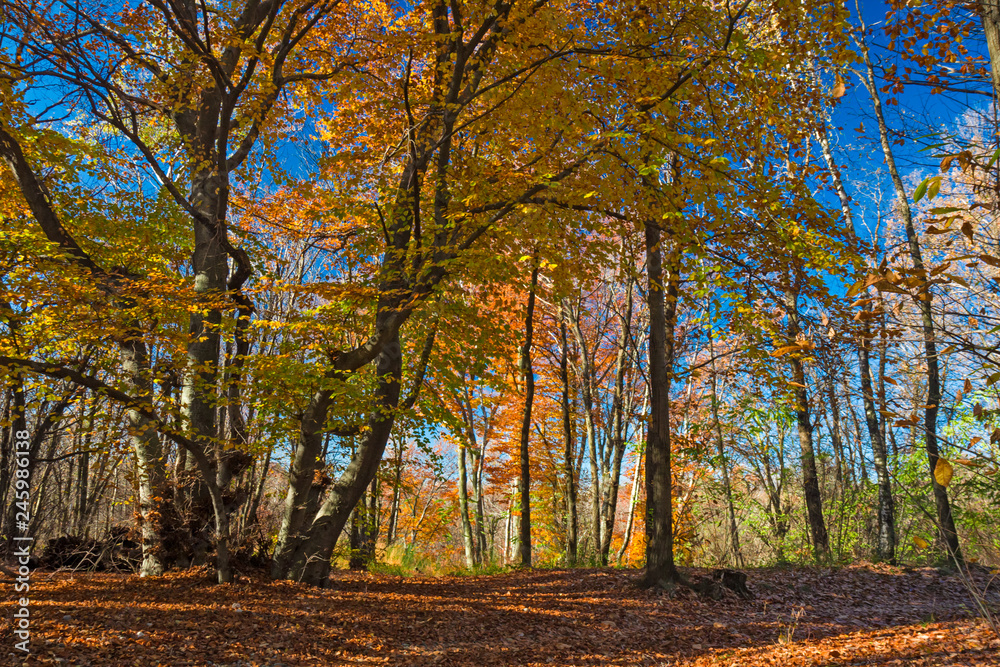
x=535 y=245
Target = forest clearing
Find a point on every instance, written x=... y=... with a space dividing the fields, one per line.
x=859 y=615
x=572 y=332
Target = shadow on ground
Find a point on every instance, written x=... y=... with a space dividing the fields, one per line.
x=864 y=615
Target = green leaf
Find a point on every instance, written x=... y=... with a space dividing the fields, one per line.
x=934 y=187
x=921 y=189
x=995 y=157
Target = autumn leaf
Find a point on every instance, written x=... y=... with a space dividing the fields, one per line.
x=943 y=472
x=839 y=88
x=989 y=259
x=967 y=229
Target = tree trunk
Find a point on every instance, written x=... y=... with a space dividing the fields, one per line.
x=250 y=515
x=82 y=489
x=17 y=415
x=610 y=509
x=41 y=492
x=507 y=528
x=924 y=301
x=355 y=561
x=8 y=461
x=632 y=501
x=835 y=429
x=568 y=471
x=199 y=391
x=477 y=488
x=17 y=418
x=152 y=474
x=662 y=303
x=989 y=13
x=473 y=448
x=397 y=481
x=303 y=553
x=810 y=480
x=524 y=488
x=587 y=398
x=876 y=431
x=463 y=508
x=365 y=528
x=734 y=534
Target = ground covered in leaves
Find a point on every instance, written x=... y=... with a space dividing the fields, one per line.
x=859 y=615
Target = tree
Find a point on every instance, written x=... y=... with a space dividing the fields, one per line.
x=810 y=481
x=886 y=512
x=923 y=298
x=443 y=202
x=215 y=79
x=524 y=481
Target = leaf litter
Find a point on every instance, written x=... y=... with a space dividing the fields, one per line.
x=858 y=615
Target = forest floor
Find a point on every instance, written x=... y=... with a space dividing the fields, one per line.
x=858 y=615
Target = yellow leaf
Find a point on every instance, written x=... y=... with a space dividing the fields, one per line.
x=855 y=289
x=921 y=542
x=943 y=472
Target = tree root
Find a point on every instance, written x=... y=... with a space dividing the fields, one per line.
x=716 y=584
x=713 y=586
